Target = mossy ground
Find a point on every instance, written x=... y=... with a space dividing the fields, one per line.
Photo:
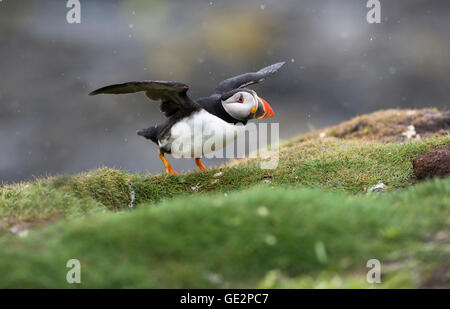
x=307 y=223
x=394 y=125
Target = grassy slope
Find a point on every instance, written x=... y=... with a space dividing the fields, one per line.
x=282 y=237
x=342 y=165
x=269 y=238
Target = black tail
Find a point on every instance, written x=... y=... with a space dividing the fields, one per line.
x=150 y=133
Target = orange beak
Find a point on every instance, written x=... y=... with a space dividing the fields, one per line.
x=268 y=111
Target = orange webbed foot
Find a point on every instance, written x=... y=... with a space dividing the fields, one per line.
x=169 y=169
x=200 y=165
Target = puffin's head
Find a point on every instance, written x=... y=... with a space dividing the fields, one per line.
x=244 y=104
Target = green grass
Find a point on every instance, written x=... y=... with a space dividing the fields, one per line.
x=339 y=165
x=307 y=223
x=280 y=237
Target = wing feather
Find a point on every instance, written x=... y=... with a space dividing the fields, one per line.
x=173 y=95
x=247 y=79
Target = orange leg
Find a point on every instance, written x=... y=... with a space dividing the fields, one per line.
x=169 y=168
x=200 y=165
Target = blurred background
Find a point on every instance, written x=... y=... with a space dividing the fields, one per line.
x=337 y=66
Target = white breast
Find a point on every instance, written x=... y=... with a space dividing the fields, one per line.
x=200 y=134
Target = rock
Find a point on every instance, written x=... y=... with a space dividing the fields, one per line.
x=196 y=187
x=410 y=132
x=20 y=227
x=433 y=163
x=378 y=187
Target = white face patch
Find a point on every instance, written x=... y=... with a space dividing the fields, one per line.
x=241 y=105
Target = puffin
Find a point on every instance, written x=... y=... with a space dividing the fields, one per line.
x=220 y=117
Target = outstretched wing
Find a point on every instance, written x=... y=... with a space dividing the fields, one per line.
x=172 y=94
x=246 y=79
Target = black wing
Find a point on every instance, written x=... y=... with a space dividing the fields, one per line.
x=172 y=95
x=246 y=79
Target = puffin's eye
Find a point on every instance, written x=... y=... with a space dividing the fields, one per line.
x=241 y=99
